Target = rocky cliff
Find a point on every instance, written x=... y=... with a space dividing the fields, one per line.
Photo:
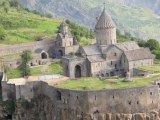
x=42 y=108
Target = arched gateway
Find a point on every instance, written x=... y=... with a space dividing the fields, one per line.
x=60 y=53
x=44 y=55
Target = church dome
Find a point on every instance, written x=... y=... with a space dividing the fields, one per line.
x=105 y=21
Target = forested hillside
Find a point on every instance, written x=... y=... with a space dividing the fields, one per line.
x=138 y=20
x=20 y=25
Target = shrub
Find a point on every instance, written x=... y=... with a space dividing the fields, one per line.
x=39 y=37
x=78 y=31
x=153 y=44
x=2 y=34
x=156 y=53
x=9 y=106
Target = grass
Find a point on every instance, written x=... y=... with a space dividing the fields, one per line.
x=23 y=27
x=113 y=83
x=154 y=68
x=54 y=68
x=14 y=74
x=13 y=56
x=97 y=84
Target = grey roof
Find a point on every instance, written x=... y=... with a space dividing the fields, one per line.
x=91 y=50
x=61 y=35
x=126 y=46
x=95 y=58
x=39 y=50
x=139 y=54
x=105 y=21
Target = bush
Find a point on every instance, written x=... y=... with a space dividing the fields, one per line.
x=142 y=43
x=2 y=34
x=156 y=53
x=9 y=106
x=78 y=31
x=14 y=3
x=153 y=44
x=39 y=37
x=49 y=15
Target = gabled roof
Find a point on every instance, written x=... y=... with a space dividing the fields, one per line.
x=39 y=50
x=91 y=50
x=105 y=21
x=95 y=58
x=127 y=46
x=139 y=54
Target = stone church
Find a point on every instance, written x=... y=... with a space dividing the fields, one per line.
x=105 y=58
x=65 y=44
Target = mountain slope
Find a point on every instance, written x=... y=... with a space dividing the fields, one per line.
x=21 y=26
x=151 y=4
x=140 y=22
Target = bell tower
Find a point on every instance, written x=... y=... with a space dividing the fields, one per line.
x=105 y=30
x=64 y=28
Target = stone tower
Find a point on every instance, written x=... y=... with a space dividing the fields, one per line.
x=105 y=30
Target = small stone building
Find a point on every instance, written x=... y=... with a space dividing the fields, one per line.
x=106 y=57
x=65 y=44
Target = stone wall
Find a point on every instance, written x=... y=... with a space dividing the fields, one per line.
x=45 y=44
x=8 y=91
x=69 y=66
x=77 y=104
x=138 y=63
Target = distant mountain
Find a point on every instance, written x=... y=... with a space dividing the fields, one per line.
x=151 y=4
x=138 y=17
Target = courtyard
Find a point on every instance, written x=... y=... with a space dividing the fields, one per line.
x=112 y=83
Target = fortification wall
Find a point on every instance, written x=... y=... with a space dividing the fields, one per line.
x=132 y=100
x=45 y=44
x=8 y=91
x=75 y=104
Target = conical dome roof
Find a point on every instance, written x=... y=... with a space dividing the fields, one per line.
x=105 y=21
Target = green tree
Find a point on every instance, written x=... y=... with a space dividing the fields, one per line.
x=24 y=67
x=153 y=44
x=156 y=53
x=142 y=43
x=14 y=3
